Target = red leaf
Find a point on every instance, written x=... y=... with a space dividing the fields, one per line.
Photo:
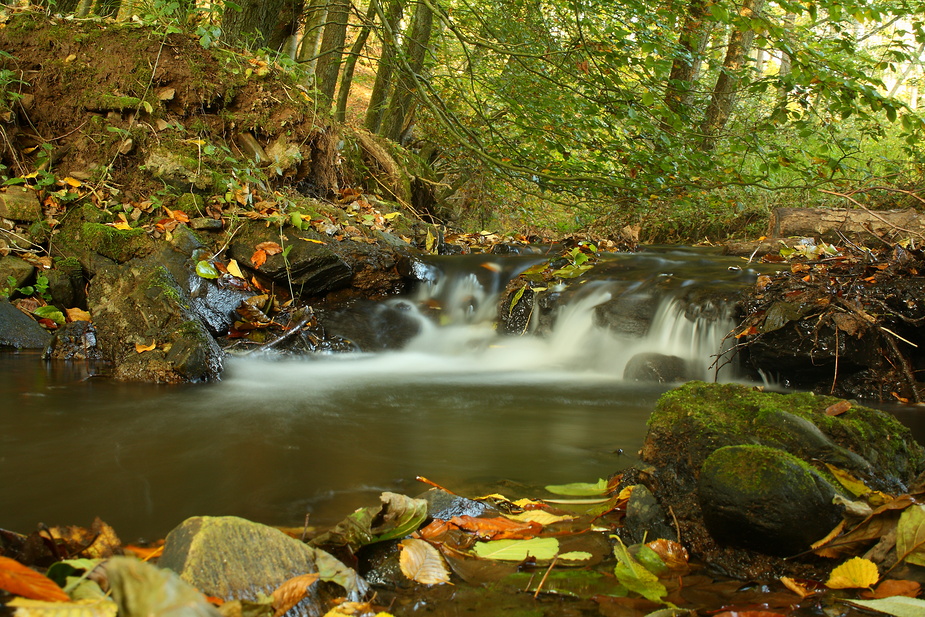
x=22 y=581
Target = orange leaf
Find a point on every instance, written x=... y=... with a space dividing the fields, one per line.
x=838 y=408
x=672 y=553
x=292 y=592
x=271 y=248
x=76 y=314
x=259 y=258
x=143 y=348
x=892 y=587
x=22 y=581
x=498 y=528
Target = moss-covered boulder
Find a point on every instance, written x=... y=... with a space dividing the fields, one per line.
x=694 y=423
x=765 y=499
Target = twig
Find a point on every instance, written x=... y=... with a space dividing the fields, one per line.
x=543 y=580
x=677 y=527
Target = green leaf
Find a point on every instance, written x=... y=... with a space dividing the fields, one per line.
x=207 y=270
x=50 y=312
x=517 y=296
x=396 y=517
x=579 y=489
x=61 y=570
x=910 y=535
x=635 y=577
x=900 y=606
x=541 y=549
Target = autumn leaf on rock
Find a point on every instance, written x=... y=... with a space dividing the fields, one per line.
x=76 y=314
x=854 y=573
x=422 y=563
x=292 y=592
x=22 y=581
x=271 y=248
x=259 y=258
x=141 y=348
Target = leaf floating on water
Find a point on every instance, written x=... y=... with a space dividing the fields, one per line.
x=635 y=577
x=497 y=528
x=893 y=587
x=26 y=582
x=579 y=489
x=541 y=549
x=672 y=553
x=82 y=608
x=292 y=592
x=900 y=606
x=542 y=517
x=854 y=573
x=423 y=563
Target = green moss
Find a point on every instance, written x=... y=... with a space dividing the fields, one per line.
x=753 y=468
x=162 y=282
x=117 y=244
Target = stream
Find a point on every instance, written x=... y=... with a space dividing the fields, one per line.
x=279 y=439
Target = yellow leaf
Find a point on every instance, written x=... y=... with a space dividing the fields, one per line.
x=854 y=573
x=234 y=269
x=796 y=587
x=143 y=348
x=120 y=225
x=76 y=314
x=391 y=215
x=73 y=182
x=422 y=563
x=312 y=240
x=852 y=484
x=539 y=516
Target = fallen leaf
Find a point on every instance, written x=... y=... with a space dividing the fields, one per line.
x=121 y=225
x=259 y=258
x=852 y=484
x=800 y=588
x=81 y=608
x=838 y=408
x=542 y=517
x=22 y=581
x=910 y=535
x=423 y=563
x=893 y=587
x=855 y=573
x=672 y=553
x=271 y=248
x=292 y=592
x=234 y=269
x=900 y=606
x=541 y=549
x=579 y=489
x=497 y=528
x=143 y=348
x=635 y=577
x=77 y=314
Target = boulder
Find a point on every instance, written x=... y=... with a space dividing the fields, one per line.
x=697 y=429
x=19 y=269
x=19 y=330
x=140 y=304
x=656 y=367
x=236 y=559
x=20 y=203
x=765 y=499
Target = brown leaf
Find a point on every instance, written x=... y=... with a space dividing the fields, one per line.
x=672 y=553
x=838 y=408
x=893 y=587
x=22 y=581
x=498 y=528
x=422 y=563
x=292 y=592
x=271 y=248
x=259 y=258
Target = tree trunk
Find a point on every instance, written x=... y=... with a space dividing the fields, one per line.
x=311 y=36
x=390 y=18
x=261 y=23
x=695 y=34
x=332 y=49
x=400 y=109
x=724 y=93
x=346 y=78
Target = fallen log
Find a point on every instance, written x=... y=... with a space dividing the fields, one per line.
x=856 y=225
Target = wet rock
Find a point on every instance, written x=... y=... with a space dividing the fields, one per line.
x=765 y=499
x=19 y=330
x=656 y=367
x=207 y=224
x=373 y=326
x=444 y=505
x=692 y=422
x=382 y=567
x=19 y=203
x=233 y=558
x=19 y=269
x=140 y=303
x=74 y=341
x=645 y=518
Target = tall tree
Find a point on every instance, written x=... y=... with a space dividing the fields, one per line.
x=315 y=16
x=400 y=108
x=333 y=41
x=261 y=23
x=346 y=78
x=389 y=18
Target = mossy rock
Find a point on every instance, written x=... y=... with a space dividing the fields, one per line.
x=120 y=245
x=765 y=499
x=705 y=417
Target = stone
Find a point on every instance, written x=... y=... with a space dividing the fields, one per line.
x=765 y=499
x=140 y=303
x=233 y=558
x=645 y=518
x=19 y=269
x=177 y=170
x=444 y=505
x=658 y=368
x=19 y=203
x=19 y=330
x=74 y=341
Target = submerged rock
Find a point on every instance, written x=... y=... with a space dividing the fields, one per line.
x=725 y=459
x=656 y=367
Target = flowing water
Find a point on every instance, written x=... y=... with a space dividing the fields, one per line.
x=279 y=438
